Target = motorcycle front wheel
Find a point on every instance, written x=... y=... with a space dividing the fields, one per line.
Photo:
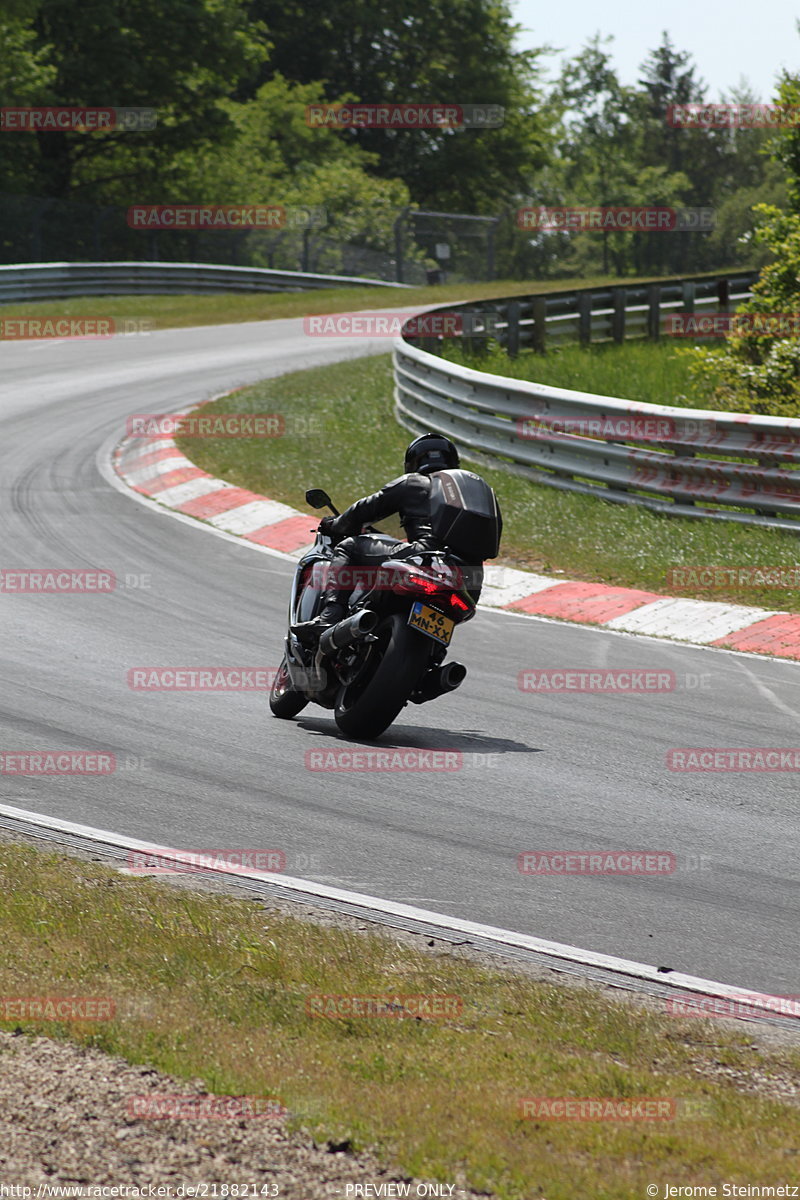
x=284 y=700
x=392 y=668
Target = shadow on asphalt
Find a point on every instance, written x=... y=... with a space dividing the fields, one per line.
x=421 y=738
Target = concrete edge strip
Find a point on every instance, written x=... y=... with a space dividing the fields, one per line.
x=698 y=622
x=691 y=985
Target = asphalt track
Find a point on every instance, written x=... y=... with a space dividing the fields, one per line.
x=568 y=772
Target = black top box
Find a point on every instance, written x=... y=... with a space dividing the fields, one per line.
x=465 y=515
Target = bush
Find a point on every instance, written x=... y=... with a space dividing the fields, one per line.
x=761 y=374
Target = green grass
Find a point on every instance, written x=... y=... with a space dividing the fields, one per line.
x=171 y=312
x=341 y=435
x=215 y=989
x=652 y=372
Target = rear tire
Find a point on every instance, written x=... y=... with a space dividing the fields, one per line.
x=284 y=700
x=366 y=707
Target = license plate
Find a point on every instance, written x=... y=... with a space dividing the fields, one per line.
x=435 y=624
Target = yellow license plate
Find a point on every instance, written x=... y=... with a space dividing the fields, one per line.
x=428 y=620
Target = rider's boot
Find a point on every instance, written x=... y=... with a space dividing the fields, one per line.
x=333 y=611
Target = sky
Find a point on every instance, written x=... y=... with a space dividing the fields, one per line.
x=727 y=41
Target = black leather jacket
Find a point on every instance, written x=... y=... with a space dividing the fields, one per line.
x=408 y=495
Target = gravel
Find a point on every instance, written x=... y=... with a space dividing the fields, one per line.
x=64 y=1119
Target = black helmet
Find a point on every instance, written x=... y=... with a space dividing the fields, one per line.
x=431 y=452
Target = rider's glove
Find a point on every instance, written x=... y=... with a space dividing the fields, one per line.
x=328 y=526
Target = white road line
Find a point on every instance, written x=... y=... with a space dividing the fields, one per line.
x=471 y=929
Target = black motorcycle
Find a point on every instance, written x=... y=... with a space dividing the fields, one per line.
x=390 y=648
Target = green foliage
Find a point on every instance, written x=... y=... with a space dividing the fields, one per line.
x=785 y=144
x=231 y=80
x=422 y=51
x=274 y=157
x=762 y=374
x=616 y=147
x=180 y=58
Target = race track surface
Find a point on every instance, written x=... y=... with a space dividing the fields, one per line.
x=568 y=772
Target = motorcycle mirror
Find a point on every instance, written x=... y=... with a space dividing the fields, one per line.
x=317 y=498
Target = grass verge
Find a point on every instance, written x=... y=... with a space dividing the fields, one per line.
x=173 y=312
x=352 y=445
x=651 y=372
x=214 y=988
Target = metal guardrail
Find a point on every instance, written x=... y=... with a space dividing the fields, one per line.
x=611 y=314
x=677 y=461
x=52 y=281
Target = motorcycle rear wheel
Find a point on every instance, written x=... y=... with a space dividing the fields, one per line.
x=395 y=664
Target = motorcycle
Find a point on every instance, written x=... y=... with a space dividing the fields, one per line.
x=390 y=648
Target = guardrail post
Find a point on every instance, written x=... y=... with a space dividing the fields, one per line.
x=618 y=317
x=398 y=244
x=539 y=332
x=585 y=318
x=468 y=339
x=724 y=294
x=512 y=328
x=689 y=291
x=654 y=312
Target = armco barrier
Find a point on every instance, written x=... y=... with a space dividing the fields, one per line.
x=593 y=315
x=51 y=281
x=678 y=461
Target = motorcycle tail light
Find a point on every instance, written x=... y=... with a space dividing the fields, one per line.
x=421 y=584
x=458 y=603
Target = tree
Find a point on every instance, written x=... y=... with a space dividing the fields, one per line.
x=668 y=77
x=421 y=51
x=762 y=373
x=178 y=58
x=603 y=163
x=274 y=157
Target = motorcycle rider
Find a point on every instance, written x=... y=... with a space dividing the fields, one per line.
x=409 y=496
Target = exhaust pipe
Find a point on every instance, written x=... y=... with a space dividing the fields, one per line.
x=440 y=680
x=348 y=631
